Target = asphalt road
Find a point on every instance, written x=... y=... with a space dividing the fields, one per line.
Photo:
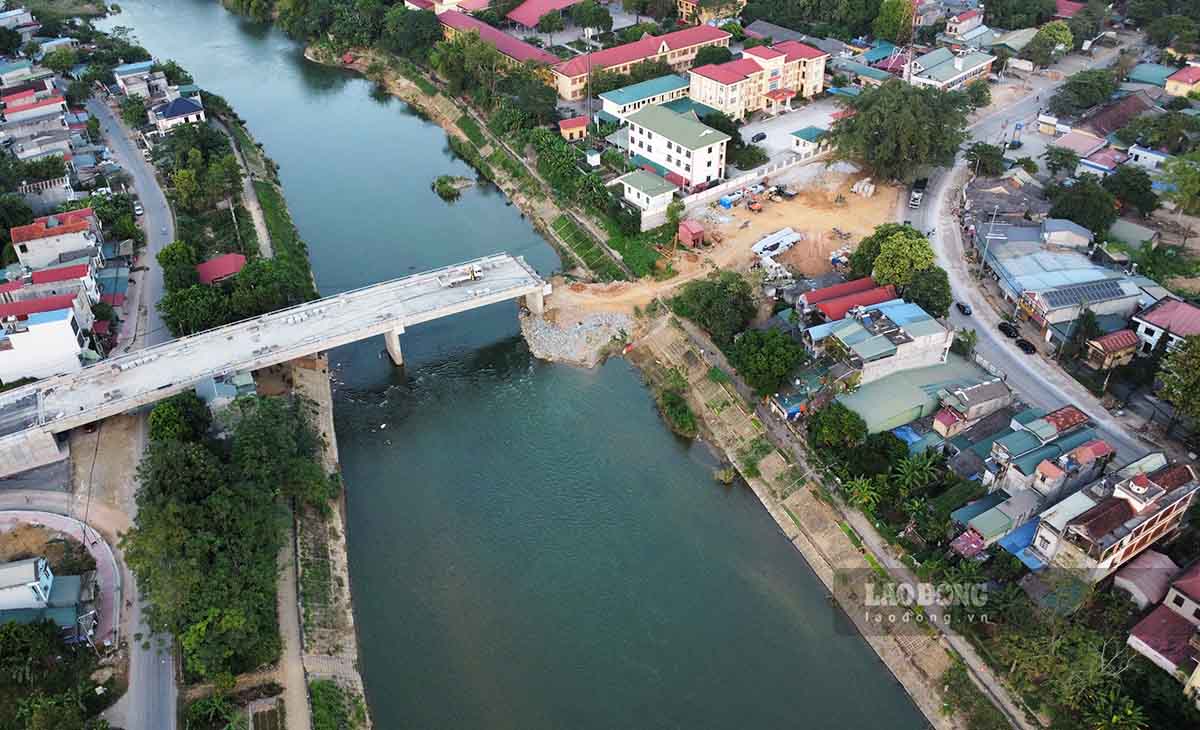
x=150 y=702
x=1037 y=381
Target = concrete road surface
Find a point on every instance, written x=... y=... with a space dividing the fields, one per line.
x=150 y=702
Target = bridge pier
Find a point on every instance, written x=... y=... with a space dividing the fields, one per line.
x=392 y=339
x=536 y=303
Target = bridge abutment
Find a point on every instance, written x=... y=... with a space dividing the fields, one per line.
x=536 y=302
x=392 y=339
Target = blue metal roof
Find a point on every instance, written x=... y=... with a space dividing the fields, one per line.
x=882 y=50
x=127 y=69
x=810 y=133
x=1018 y=542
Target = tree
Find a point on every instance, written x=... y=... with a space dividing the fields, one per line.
x=675 y=210
x=979 y=93
x=721 y=304
x=409 y=32
x=862 y=260
x=1112 y=710
x=31 y=49
x=1049 y=39
x=60 y=60
x=133 y=111
x=894 y=22
x=864 y=493
x=1019 y=13
x=1170 y=29
x=836 y=427
x=1180 y=377
x=1087 y=203
x=765 y=358
x=930 y=290
x=902 y=255
x=987 y=159
x=178 y=262
x=712 y=54
x=1059 y=159
x=14 y=211
x=10 y=41
x=1082 y=91
x=897 y=128
x=913 y=474
x=1183 y=173
x=550 y=23
x=183 y=417
x=1132 y=186
x=176 y=75
x=964 y=342
x=590 y=14
x=1086 y=327
x=187 y=189
x=194 y=309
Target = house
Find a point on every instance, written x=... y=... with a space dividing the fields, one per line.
x=14 y=72
x=178 y=111
x=1169 y=636
x=515 y=52
x=1111 y=521
x=220 y=268
x=648 y=192
x=620 y=103
x=679 y=144
x=1112 y=350
x=51 y=282
x=1172 y=318
x=963 y=407
x=966 y=30
x=25 y=583
x=22 y=21
x=809 y=142
x=907 y=395
x=1184 y=82
x=40 y=243
x=878 y=341
x=678 y=49
x=1147 y=158
x=223 y=389
x=1063 y=232
x=958 y=25
x=690 y=233
x=573 y=129
x=39 y=338
x=1102 y=163
x=528 y=13
x=1055 y=310
x=140 y=79
x=1151 y=74
x=1134 y=234
x=833 y=310
x=944 y=70
x=53 y=104
x=1066 y=9
x=1146 y=578
x=859 y=73
x=765 y=78
x=1013 y=42
x=1109 y=118
x=699 y=11
x=1015 y=194
x=1080 y=142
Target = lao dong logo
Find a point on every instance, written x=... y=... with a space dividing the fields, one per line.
x=926 y=595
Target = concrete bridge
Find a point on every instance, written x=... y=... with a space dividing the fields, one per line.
x=31 y=416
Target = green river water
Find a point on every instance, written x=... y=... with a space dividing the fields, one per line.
x=530 y=547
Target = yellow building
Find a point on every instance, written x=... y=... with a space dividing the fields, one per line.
x=765 y=78
x=698 y=11
x=1185 y=81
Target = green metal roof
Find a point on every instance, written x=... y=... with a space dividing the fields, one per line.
x=902 y=397
x=647 y=182
x=645 y=90
x=682 y=129
x=686 y=104
x=1018 y=442
x=1151 y=73
x=873 y=348
x=992 y=523
x=945 y=70
x=1042 y=428
x=924 y=328
x=1027 y=463
x=859 y=69
x=810 y=133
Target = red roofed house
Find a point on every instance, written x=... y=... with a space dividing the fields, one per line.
x=1171 y=317
x=574 y=128
x=1066 y=9
x=764 y=78
x=835 y=309
x=516 y=51
x=220 y=268
x=42 y=337
x=1112 y=350
x=678 y=49
x=34 y=108
x=40 y=243
x=693 y=11
x=812 y=298
x=1170 y=635
x=55 y=281
x=1183 y=82
x=530 y=12
x=957 y=25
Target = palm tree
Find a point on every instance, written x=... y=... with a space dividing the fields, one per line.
x=864 y=493
x=1114 y=711
x=912 y=474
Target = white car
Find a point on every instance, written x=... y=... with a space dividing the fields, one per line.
x=735 y=196
x=137 y=209
x=756 y=188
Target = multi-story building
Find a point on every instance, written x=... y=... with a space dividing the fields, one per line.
x=1108 y=523
x=702 y=11
x=39 y=338
x=1170 y=318
x=516 y=52
x=52 y=282
x=646 y=191
x=22 y=21
x=678 y=49
x=25 y=584
x=689 y=152
x=1169 y=636
x=943 y=69
x=1184 y=82
x=39 y=244
x=878 y=341
x=620 y=103
x=51 y=104
x=765 y=78
x=963 y=407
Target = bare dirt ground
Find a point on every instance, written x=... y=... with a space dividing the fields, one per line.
x=814 y=212
x=103 y=462
x=65 y=553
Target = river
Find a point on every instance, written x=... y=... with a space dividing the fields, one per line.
x=530 y=547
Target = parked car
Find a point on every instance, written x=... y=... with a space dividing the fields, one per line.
x=756 y=189
x=1025 y=346
x=758 y=137
x=1009 y=330
x=736 y=196
x=137 y=209
x=964 y=308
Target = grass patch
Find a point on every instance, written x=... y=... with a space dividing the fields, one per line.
x=851 y=534
x=636 y=249
x=334 y=708
x=752 y=453
x=514 y=169
x=405 y=68
x=470 y=127
x=968 y=701
x=285 y=240
x=717 y=375
x=587 y=249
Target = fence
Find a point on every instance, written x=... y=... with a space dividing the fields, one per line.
x=705 y=197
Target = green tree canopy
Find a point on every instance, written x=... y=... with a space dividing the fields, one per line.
x=1018 y=13
x=836 y=427
x=986 y=159
x=930 y=290
x=1060 y=159
x=1132 y=186
x=183 y=417
x=898 y=128
x=410 y=32
x=1087 y=203
x=194 y=309
x=1082 y=91
x=901 y=256
x=894 y=22
x=1180 y=377
x=1049 y=38
x=712 y=54
x=722 y=304
x=765 y=358
x=862 y=260
x=178 y=262
x=979 y=93
x=133 y=111
x=60 y=60
x=1184 y=174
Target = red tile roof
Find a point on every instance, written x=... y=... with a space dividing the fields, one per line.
x=472 y=6
x=1189 y=583
x=796 y=49
x=1116 y=341
x=965 y=16
x=63 y=273
x=1067 y=8
x=838 y=290
x=73 y=221
x=639 y=50
x=730 y=72
x=33 y=306
x=1066 y=418
x=573 y=123
x=1118 y=114
x=420 y=4
x=1186 y=75
x=16 y=96
x=1172 y=477
x=1178 y=318
x=506 y=44
x=530 y=12
x=764 y=52
x=220 y=267
x=1099 y=448
x=10 y=286
x=837 y=308
x=34 y=104
x=1103 y=518
x=948 y=417
x=1167 y=633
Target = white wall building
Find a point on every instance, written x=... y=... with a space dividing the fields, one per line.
x=1147 y=158
x=181 y=110
x=40 y=243
x=620 y=103
x=40 y=345
x=25 y=584
x=1169 y=318
x=690 y=152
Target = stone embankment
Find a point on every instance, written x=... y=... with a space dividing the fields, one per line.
x=583 y=340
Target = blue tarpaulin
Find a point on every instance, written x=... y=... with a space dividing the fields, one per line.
x=1018 y=542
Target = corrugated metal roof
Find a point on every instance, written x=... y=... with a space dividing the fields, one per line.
x=1090 y=292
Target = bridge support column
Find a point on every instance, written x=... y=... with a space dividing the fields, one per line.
x=535 y=303
x=392 y=339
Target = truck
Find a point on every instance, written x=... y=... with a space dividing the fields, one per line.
x=461 y=275
x=918 y=192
